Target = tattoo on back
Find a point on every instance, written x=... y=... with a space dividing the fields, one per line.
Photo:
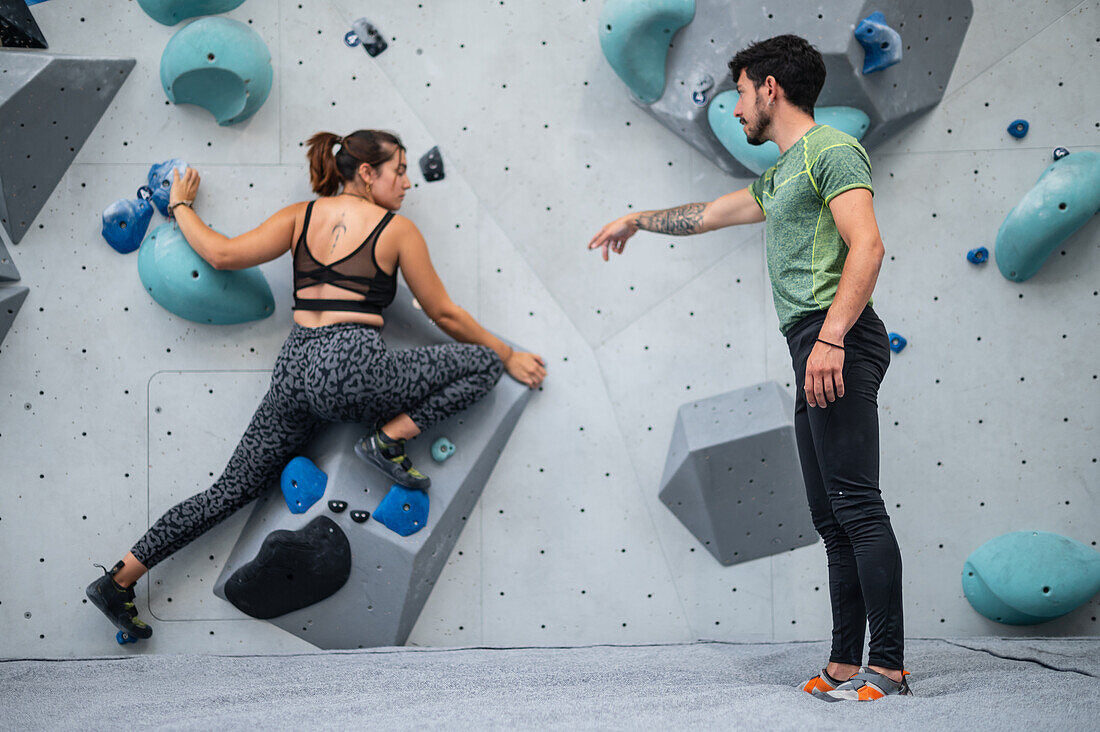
x=678 y=221
x=337 y=230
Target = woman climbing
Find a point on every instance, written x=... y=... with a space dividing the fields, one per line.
x=334 y=367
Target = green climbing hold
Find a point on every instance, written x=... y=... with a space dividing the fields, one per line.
x=1029 y=577
x=220 y=65
x=170 y=12
x=758 y=158
x=1064 y=198
x=184 y=284
x=635 y=36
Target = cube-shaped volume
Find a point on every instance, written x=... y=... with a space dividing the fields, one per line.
x=733 y=476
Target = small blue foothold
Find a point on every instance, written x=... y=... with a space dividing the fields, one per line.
x=1018 y=128
x=145 y=193
x=699 y=97
x=897 y=343
x=303 y=484
x=125 y=223
x=403 y=511
x=978 y=256
x=442 y=449
x=160 y=182
x=122 y=638
x=881 y=43
x=1060 y=152
x=351 y=39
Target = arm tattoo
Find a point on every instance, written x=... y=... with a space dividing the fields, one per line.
x=679 y=221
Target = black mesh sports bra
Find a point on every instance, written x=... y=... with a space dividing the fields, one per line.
x=357 y=272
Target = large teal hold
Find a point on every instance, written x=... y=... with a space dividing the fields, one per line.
x=184 y=284
x=170 y=12
x=758 y=158
x=634 y=36
x=1030 y=577
x=219 y=64
x=1064 y=198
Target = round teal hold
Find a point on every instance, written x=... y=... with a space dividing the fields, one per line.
x=183 y=283
x=758 y=158
x=442 y=449
x=1030 y=577
x=220 y=65
x=170 y=12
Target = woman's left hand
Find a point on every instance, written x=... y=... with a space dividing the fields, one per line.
x=526 y=368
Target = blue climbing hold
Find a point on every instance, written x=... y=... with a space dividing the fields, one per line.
x=219 y=64
x=184 y=284
x=897 y=343
x=758 y=158
x=1064 y=198
x=978 y=256
x=125 y=223
x=1029 y=577
x=1059 y=153
x=635 y=37
x=303 y=484
x=170 y=12
x=160 y=182
x=1018 y=128
x=403 y=511
x=442 y=449
x=881 y=43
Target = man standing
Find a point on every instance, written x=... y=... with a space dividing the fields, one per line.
x=824 y=252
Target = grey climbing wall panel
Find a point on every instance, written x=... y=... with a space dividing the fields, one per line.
x=11 y=299
x=18 y=28
x=8 y=272
x=391 y=576
x=932 y=31
x=733 y=476
x=49 y=105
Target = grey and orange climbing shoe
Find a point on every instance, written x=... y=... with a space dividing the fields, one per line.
x=822 y=682
x=389 y=456
x=117 y=603
x=867 y=685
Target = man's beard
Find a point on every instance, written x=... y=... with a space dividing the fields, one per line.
x=755 y=133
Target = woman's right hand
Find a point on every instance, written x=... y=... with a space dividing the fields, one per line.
x=526 y=368
x=185 y=188
x=614 y=235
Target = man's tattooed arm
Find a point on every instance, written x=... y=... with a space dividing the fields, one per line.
x=679 y=221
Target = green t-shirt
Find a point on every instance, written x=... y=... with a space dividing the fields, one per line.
x=805 y=252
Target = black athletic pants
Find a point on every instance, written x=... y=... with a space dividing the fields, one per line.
x=838 y=448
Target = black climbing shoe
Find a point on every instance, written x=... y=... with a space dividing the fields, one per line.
x=391 y=459
x=117 y=603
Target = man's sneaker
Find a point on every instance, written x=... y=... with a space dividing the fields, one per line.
x=117 y=603
x=822 y=682
x=391 y=459
x=867 y=685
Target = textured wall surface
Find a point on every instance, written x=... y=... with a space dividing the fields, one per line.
x=988 y=418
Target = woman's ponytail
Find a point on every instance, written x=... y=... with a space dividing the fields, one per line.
x=323 y=174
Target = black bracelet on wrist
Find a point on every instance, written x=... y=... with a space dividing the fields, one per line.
x=172 y=206
x=830 y=344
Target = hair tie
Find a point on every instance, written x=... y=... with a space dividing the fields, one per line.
x=339 y=141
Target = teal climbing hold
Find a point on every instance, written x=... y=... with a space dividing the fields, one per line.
x=303 y=484
x=1064 y=198
x=220 y=65
x=758 y=158
x=635 y=36
x=442 y=449
x=1029 y=577
x=184 y=284
x=170 y=12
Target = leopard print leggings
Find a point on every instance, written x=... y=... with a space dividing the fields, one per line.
x=334 y=373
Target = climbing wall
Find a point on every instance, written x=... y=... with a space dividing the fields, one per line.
x=112 y=409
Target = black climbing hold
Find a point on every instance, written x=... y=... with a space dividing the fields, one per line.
x=978 y=256
x=1060 y=152
x=337 y=506
x=362 y=31
x=359 y=516
x=1018 y=128
x=293 y=570
x=18 y=28
x=431 y=165
x=145 y=193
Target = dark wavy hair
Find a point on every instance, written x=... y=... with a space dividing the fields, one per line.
x=795 y=64
x=327 y=170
